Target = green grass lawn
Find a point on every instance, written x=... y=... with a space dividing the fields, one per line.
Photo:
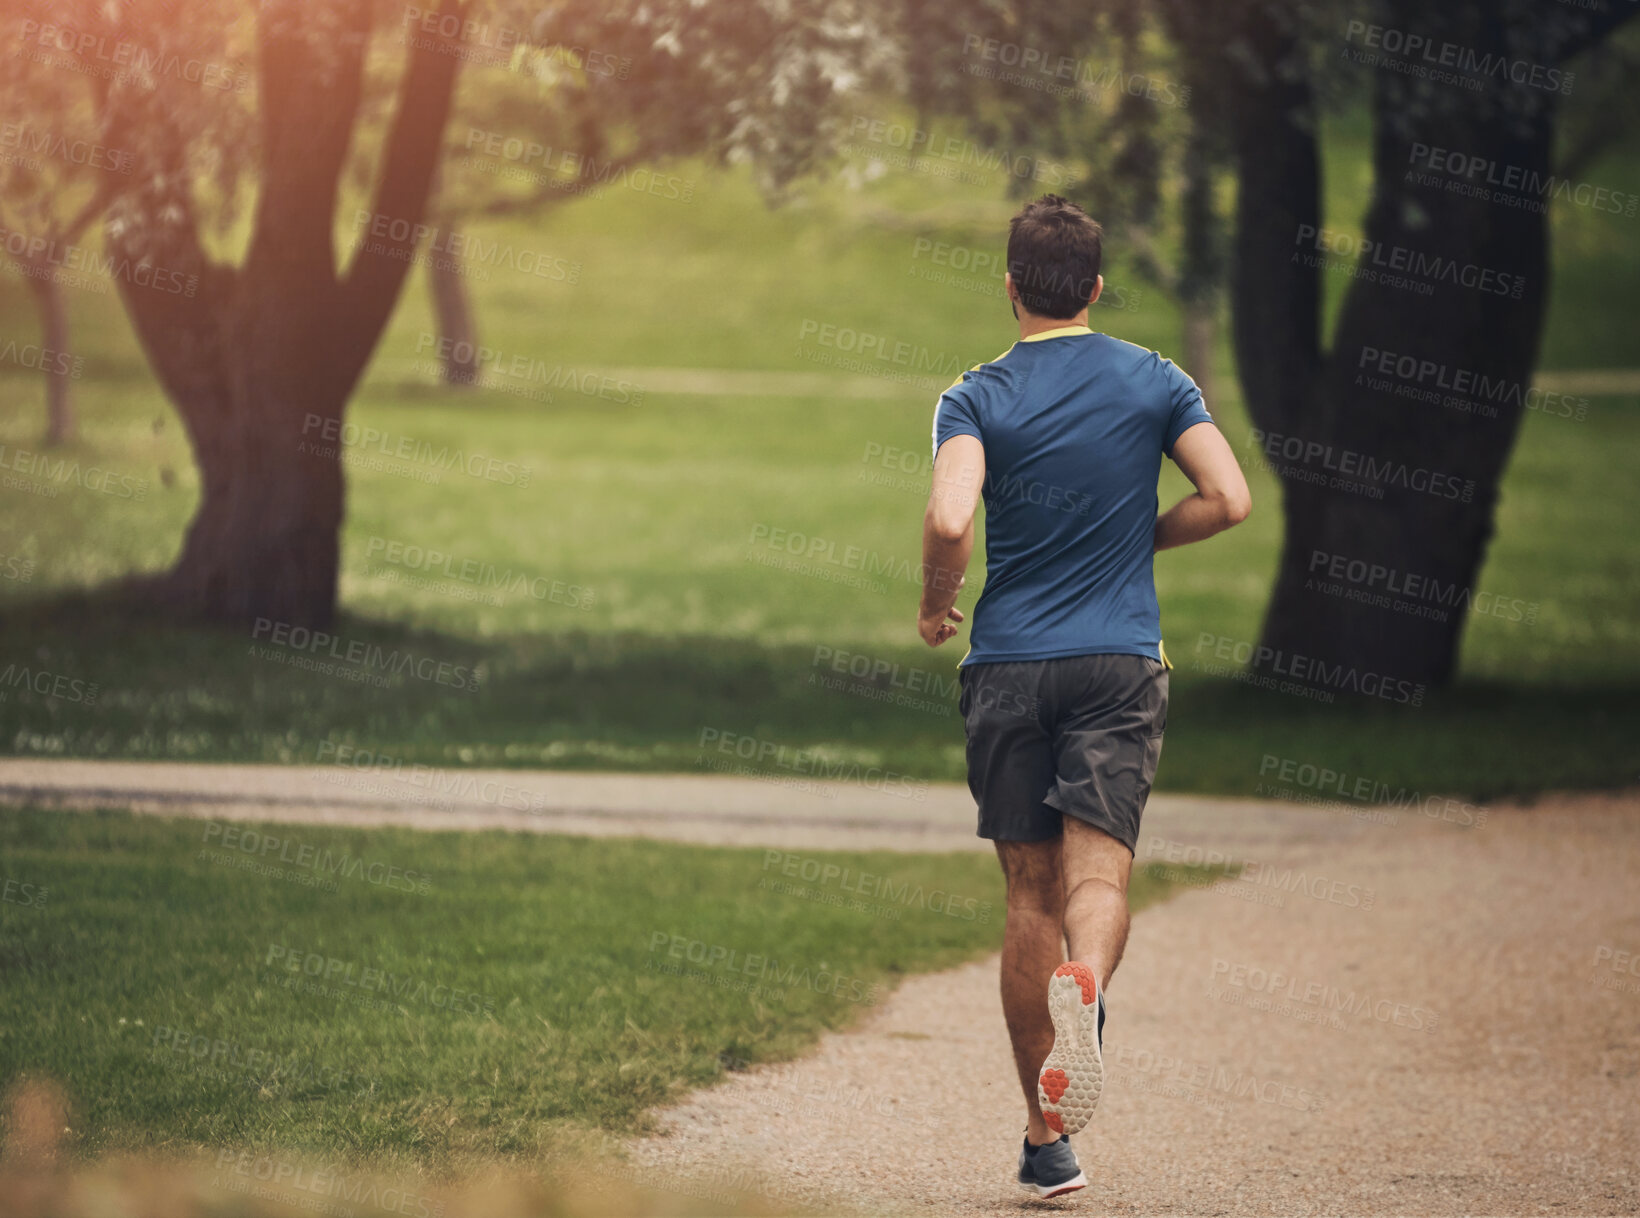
x=531 y=986
x=638 y=606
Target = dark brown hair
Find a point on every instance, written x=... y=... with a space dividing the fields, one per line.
x=1054 y=252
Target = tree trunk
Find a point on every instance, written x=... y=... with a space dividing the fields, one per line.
x=48 y=299
x=453 y=317
x=264 y=544
x=1201 y=261
x=1389 y=473
x=261 y=359
x=1201 y=334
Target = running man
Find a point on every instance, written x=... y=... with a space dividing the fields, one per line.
x=1064 y=687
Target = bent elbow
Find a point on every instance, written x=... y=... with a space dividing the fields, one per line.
x=1237 y=508
x=948 y=531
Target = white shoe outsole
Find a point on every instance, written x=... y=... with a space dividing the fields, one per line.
x=1073 y=1076
x=1053 y=1190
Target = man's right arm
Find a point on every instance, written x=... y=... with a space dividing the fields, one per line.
x=1221 y=497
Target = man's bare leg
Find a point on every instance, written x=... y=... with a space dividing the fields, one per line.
x=1095 y=867
x=1033 y=945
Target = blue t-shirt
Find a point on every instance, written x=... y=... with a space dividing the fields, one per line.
x=1074 y=425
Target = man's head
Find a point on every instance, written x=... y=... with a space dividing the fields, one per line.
x=1054 y=251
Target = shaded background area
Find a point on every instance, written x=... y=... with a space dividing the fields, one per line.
x=622 y=601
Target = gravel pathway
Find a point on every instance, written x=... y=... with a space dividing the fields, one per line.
x=1455 y=1031
x=1379 y=1014
x=706 y=808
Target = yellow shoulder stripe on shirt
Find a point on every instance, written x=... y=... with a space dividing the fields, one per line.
x=975 y=368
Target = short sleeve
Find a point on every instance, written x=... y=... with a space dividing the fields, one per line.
x=1187 y=408
x=955 y=415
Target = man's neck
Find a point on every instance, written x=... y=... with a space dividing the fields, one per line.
x=1030 y=323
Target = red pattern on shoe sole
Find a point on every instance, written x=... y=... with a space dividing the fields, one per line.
x=1084 y=978
x=1053 y=1121
x=1054 y=1083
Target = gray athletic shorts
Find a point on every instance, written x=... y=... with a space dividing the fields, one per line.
x=1077 y=736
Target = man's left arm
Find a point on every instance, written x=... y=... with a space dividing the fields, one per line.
x=948 y=534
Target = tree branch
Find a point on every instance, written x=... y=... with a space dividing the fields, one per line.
x=414 y=145
x=306 y=134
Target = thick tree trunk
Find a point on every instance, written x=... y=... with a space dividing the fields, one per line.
x=48 y=299
x=1389 y=472
x=453 y=318
x=264 y=543
x=261 y=359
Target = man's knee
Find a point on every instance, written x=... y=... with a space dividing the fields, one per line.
x=1034 y=879
x=1094 y=888
x=1047 y=899
x=1092 y=854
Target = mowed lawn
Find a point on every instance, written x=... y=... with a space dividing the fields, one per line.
x=633 y=577
x=386 y=995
